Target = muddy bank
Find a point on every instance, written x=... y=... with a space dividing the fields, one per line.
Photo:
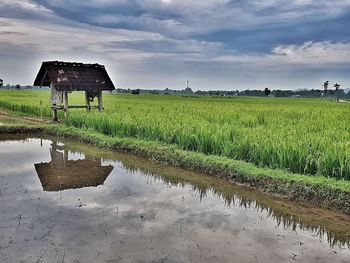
x=132 y=209
x=7 y=119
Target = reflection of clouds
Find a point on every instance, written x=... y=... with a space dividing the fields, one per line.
x=146 y=218
x=286 y=216
x=14 y=169
x=214 y=220
x=9 y=147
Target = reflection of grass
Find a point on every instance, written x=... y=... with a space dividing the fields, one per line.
x=285 y=214
x=322 y=191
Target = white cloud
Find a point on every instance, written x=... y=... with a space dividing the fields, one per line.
x=29 y=42
x=47 y=37
x=151 y=60
x=315 y=55
x=23 y=5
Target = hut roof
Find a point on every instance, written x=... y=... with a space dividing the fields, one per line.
x=71 y=175
x=72 y=76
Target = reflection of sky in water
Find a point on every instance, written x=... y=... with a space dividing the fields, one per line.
x=137 y=217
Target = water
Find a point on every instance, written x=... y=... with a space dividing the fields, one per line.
x=63 y=201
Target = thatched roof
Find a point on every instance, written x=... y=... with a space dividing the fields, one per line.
x=72 y=76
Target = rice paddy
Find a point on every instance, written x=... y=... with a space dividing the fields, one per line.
x=308 y=136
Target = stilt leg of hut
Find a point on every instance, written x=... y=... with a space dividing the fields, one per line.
x=100 y=104
x=87 y=101
x=54 y=111
x=65 y=104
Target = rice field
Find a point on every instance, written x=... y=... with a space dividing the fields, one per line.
x=308 y=136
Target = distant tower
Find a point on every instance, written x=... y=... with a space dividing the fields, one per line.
x=325 y=85
x=188 y=90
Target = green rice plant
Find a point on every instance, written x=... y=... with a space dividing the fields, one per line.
x=309 y=136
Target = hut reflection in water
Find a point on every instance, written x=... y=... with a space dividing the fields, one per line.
x=61 y=173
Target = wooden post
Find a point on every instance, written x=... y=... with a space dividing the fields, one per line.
x=87 y=101
x=100 y=104
x=65 y=104
x=53 y=104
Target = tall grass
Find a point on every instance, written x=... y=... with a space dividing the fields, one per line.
x=310 y=136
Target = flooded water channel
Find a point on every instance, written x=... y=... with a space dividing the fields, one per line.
x=62 y=201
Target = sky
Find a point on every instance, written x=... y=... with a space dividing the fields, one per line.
x=158 y=44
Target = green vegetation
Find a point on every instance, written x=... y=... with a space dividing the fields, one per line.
x=305 y=136
x=318 y=190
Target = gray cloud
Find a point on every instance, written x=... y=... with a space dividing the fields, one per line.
x=154 y=43
x=183 y=17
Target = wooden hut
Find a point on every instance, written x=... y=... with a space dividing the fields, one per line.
x=61 y=173
x=66 y=77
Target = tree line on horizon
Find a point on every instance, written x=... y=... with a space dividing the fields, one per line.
x=306 y=93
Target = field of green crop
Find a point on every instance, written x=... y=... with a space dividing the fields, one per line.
x=310 y=136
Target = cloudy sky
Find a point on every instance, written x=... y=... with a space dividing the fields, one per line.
x=215 y=44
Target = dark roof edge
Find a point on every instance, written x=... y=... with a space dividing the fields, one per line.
x=42 y=78
x=71 y=64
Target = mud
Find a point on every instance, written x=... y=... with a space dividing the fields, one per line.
x=12 y=120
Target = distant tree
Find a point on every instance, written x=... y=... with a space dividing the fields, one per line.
x=336 y=86
x=282 y=93
x=135 y=91
x=18 y=86
x=267 y=91
x=188 y=90
x=1 y=82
